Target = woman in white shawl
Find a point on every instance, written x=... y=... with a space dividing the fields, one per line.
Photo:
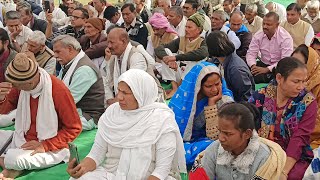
x=137 y=137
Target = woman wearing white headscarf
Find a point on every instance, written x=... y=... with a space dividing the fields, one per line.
x=137 y=137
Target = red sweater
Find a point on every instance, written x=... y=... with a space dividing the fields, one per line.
x=69 y=124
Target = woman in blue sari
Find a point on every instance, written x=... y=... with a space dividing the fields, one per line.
x=195 y=105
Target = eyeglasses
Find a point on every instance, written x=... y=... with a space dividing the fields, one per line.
x=76 y=17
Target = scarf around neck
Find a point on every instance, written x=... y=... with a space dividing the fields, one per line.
x=135 y=131
x=243 y=161
x=46 y=118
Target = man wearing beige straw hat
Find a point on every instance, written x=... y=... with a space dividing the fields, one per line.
x=43 y=124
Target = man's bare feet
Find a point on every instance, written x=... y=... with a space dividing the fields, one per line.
x=9 y=174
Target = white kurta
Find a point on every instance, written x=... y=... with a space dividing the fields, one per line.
x=57 y=14
x=163 y=152
x=23 y=36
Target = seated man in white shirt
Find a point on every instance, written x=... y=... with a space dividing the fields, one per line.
x=56 y=12
x=177 y=20
x=218 y=21
x=124 y=57
x=17 y=31
x=277 y=8
x=113 y=15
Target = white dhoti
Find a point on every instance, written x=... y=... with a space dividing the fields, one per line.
x=98 y=174
x=7 y=119
x=171 y=75
x=101 y=174
x=19 y=159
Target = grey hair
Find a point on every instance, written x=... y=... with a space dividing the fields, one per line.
x=38 y=37
x=23 y=3
x=68 y=40
x=251 y=8
x=158 y=10
x=11 y=15
x=178 y=10
x=168 y=2
x=313 y=4
x=236 y=12
x=91 y=8
x=223 y=15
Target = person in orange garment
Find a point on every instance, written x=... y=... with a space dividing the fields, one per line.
x=45 y=122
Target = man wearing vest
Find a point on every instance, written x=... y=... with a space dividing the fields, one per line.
x=36 y=49
x=190 y=50
x=300 y=31
x=136 y=29
x=82 y=78
x=313 y=15
x=125 y=56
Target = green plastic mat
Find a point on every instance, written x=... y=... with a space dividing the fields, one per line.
x=58 y=172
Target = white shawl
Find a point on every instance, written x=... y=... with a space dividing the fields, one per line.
x=66 y=78
x=117 y=71
x=47 y=119
x=135 y=131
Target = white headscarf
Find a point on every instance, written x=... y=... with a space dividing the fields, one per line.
x=135 y=131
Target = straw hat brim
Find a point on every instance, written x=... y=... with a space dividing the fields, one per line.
x=15 y=75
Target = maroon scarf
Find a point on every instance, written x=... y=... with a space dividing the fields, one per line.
x=3 y=58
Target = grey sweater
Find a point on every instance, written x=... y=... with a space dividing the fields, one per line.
x=225 y=172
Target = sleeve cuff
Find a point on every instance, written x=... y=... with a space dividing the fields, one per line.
x=45 y=146
x=156 y=174
x=94 y=159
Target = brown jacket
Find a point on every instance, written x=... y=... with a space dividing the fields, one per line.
x=96 y=49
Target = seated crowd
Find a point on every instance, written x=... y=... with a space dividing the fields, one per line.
x=183 y=89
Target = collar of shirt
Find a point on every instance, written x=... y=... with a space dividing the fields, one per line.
x=141 y=10
x=274 y=36
x=310 y=19
x=22 y=32
x=181 y=22
x=254 y=21
x=102 y=13
x=194 y=39
x=294 y=24
x=132 y=24
x=120 y=20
